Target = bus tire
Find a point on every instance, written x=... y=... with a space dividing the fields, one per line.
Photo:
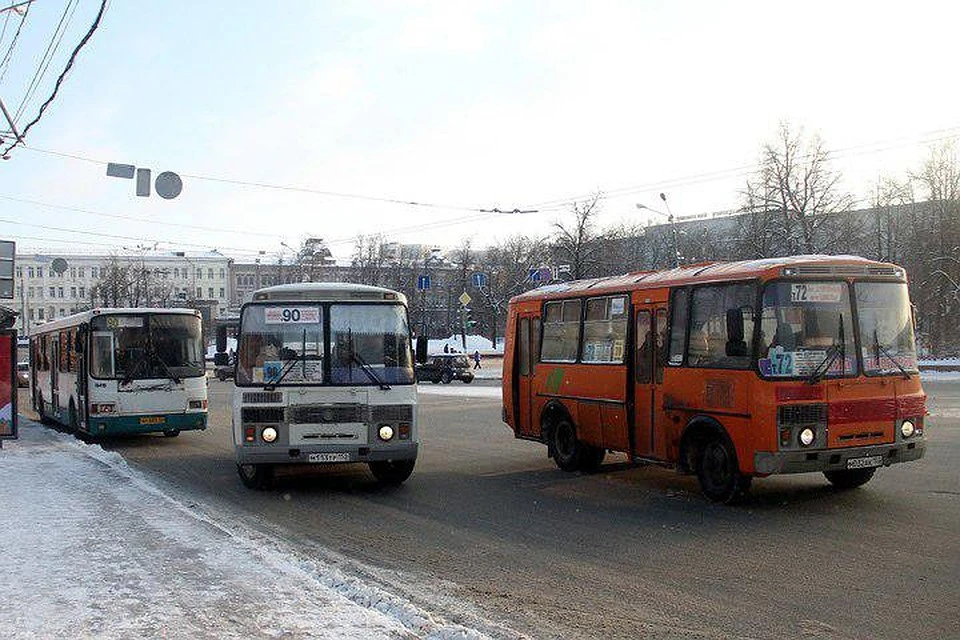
x=435 y=380
x=172 y=433
x=718 y=470
x=592 y=458
x=568 y=452
x=255 y=476
x=446 y=377
x=849 y=478
x=392 y=472
x=221 y=376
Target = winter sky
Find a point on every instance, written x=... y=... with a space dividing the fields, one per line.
x=471 y=104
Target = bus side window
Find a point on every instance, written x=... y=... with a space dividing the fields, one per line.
x=678 y=326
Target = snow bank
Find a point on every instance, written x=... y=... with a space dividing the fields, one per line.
x=95 y=549
x=474 y=343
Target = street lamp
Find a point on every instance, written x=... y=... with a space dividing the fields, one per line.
x=673 y=226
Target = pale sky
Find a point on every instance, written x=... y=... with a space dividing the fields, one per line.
x=469 y=104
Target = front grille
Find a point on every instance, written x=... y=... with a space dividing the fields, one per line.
x=802 y=414
x=391 y=413
x=261 y=414
x=325 y=413
x=262 y=397
x=861 y=436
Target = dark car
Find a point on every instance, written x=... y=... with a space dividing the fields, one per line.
x=224 y=372
x=444 y=368
x=23 y=374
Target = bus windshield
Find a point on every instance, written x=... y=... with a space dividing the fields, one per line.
x=807 y=330
x=370 y=344
x=281 y=344
x=886 y=327
x=148 y=346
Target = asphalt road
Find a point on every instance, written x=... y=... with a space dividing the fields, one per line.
x=488 y=529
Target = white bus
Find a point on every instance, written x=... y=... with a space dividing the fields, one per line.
x=108 y=372
x=325 y=374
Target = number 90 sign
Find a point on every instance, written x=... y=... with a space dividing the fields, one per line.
x=291 y=315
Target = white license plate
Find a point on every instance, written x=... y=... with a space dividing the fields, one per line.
x=863 y=463
x=328 y=457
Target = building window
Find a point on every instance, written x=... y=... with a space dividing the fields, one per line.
x=199 y=274
x=39 y=272
x=73 y=272
x=221 y=274
x=39 y=313
x=199 y=292
x=73 y=292
x=221 y=292
x=210 y=274
x=29 y=292
x=210 y=292
x=19 y=272
x=82 y=272
x=176 y=272
x=82 y=292
x=29 y=272
x=53 y=292
x=60 y=292
x=63 y=312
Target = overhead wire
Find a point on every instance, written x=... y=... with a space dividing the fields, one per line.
x=55 y=40
x=5 y=62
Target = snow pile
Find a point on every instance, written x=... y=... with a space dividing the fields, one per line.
x=97 y=550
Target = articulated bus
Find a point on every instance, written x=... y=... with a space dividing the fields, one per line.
x=727 y=370
x=107 y=372
x=325 y=374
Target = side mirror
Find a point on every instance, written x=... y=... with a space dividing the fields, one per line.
x=421 y=355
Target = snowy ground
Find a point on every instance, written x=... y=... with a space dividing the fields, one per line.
x=91 y=548
x=459 y=389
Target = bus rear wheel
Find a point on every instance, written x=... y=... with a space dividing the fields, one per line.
x=849 y=478
x=255 y=476
x=392 y=472
x=172 y=433
x=569 y=453
x=718 y=471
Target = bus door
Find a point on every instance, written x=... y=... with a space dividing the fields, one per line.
x=55 y=372
x=525 y=356
x=650 y=357
x=80 y=349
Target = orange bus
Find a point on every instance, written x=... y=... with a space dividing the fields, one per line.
x=727 y=370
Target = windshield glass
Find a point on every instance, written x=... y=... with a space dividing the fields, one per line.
x=371 y=336
x=800 y=330
x=136 y=347
x=281 y=340
x=886 y=327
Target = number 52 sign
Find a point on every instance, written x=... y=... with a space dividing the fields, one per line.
x=291 y=315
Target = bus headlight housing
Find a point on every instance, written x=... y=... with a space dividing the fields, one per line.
x=269 y=434
x=907 y=429
x=385 y=432
x=807 y=436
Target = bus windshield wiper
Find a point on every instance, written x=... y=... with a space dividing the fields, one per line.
x=837 y=349
x=301 y=357
x=364 y=365
x=880 y=349
x=166 y=367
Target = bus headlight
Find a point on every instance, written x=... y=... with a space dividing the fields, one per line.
x=269 y=434
x=386 y=432
x=807 y=436
x=907 y=429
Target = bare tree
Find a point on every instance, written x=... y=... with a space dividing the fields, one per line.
x=506 y=266
x=577 y=245
x=797 y=186
x=370 y=260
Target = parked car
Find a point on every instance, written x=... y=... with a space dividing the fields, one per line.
x=224 y=372
x=23 y=374
x=444 y=368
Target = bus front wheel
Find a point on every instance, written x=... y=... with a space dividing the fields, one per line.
x=718 y=471
x=849 y=478
x=392 y=472
x=255 y=476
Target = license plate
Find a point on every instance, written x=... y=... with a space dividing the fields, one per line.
x=152 y=420
x=863 y=463
x=328 y=457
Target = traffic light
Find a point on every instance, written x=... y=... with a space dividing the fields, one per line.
x=469 y=321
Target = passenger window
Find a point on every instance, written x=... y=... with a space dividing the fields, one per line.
x=561 y=331
x=721 y=327
x=678 y=326
x=605 y=330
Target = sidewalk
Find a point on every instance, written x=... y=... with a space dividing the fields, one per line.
x=91 y=548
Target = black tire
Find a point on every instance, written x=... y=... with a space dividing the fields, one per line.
x=569 y=453
x=172 y=433
x=392 y=472
x=435 y=380
x=255 y=476
x=446 y=377
x=719 y=472
x=467 y=379
x=850 y=478
x=221 y=376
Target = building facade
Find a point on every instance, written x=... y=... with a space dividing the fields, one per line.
x=52 y=286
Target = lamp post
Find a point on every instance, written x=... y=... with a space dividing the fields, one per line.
x=673 y=226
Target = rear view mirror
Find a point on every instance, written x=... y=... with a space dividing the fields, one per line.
x=421 y=355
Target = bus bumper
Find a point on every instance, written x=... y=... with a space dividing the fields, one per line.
x=258 y=454
x=767 y=463
x=119 y=425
